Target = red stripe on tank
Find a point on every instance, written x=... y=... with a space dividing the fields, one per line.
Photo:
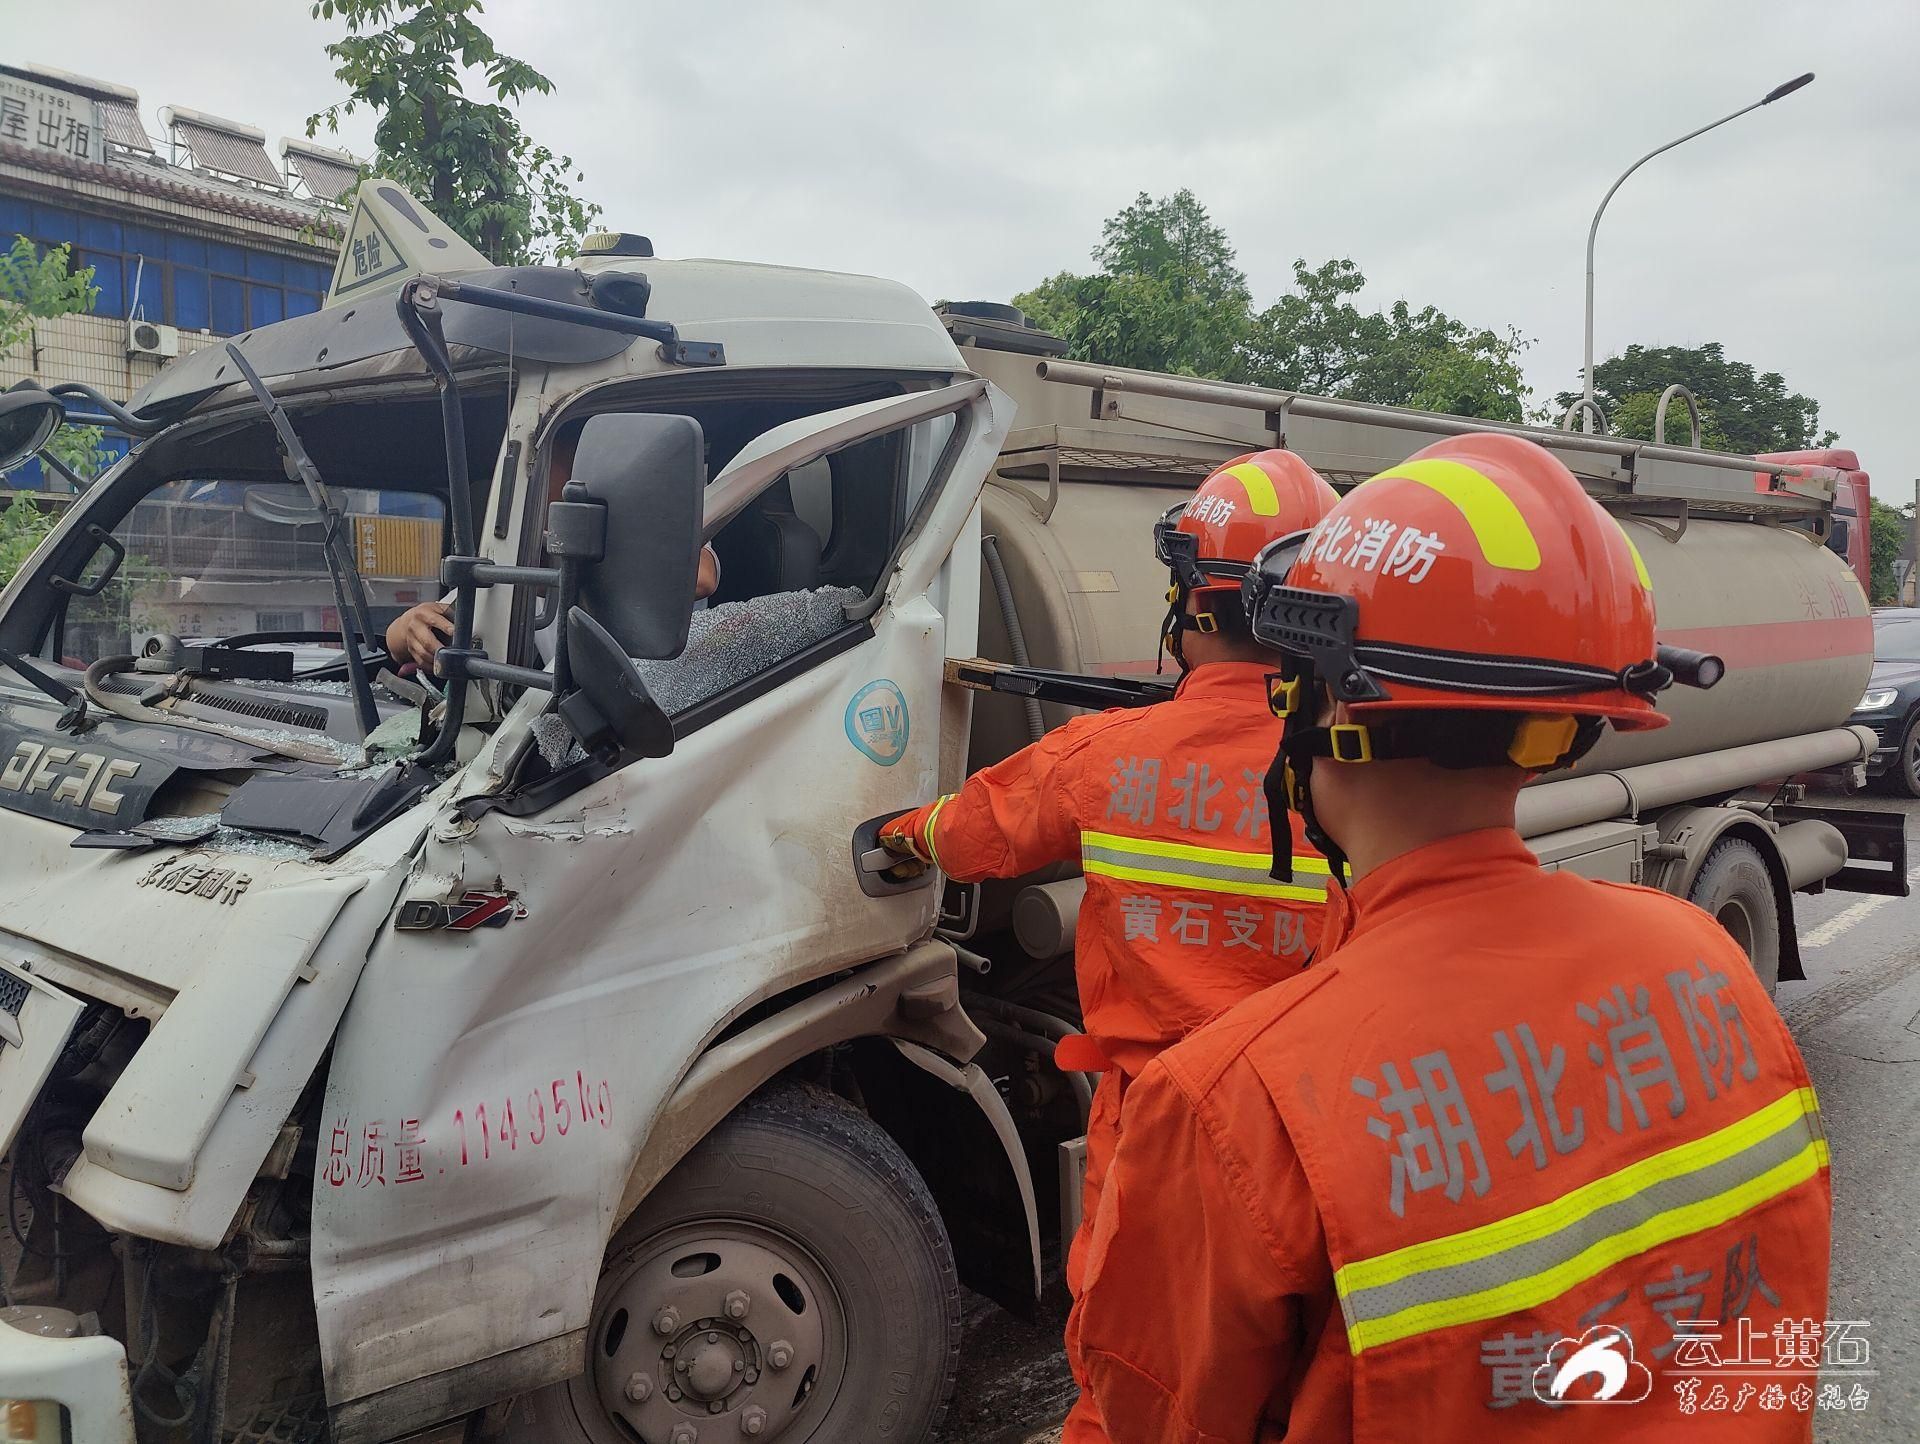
x=1772 y=644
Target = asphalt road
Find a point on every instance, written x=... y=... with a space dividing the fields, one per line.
x=1857 y=1020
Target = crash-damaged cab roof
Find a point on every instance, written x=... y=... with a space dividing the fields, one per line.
x=762 y=315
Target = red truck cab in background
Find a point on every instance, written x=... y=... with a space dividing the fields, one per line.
x=1852 y=534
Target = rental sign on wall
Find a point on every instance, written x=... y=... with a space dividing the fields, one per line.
x=41 y=117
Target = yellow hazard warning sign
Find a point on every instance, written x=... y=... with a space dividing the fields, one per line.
x=391 y=236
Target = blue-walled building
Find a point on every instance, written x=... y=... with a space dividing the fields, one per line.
x=194 y=237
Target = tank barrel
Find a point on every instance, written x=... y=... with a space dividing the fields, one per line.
x=1773 y=636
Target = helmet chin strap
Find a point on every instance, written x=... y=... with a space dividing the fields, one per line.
x=1178 y=622
x=1170 y=631
x=1538 y=744
x=1288 y=784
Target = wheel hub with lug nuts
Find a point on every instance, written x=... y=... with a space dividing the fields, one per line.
x=675 y=1358
x=712 y=1360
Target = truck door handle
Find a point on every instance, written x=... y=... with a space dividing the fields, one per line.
x=878 y=859
x=872 y=862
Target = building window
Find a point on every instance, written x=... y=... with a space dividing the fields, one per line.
x=183 y=281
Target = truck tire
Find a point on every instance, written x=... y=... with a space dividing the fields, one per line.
x=1736 y=889
x=790 y=1280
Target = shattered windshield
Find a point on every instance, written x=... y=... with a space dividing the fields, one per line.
x=212 y=559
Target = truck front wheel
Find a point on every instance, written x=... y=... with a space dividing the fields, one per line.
x=1734 y=886
x=790 y=1280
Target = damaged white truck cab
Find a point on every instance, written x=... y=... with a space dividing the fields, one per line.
x=384 y=1056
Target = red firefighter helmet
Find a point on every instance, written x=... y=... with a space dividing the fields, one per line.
x=1209 y=542
x=1480 y=575
x=1477 y=576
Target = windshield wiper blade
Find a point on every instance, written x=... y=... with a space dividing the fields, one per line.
x=74 y=718
x=342 y=570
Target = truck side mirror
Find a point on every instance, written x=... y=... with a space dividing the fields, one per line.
x=612 y=712
x=1839 y=536
x=28 y=419
x=649 y=471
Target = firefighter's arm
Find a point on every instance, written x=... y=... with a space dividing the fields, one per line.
x=1188 y=1325
x=1010 y=818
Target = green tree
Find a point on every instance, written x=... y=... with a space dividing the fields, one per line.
x=477 y=169
x=1636 y=413
x=22 y=528
x=1315 y=339
x=38 y=286
x=1167 y=296
x=1745 y=411
x=122 y=607
x=1891 y=526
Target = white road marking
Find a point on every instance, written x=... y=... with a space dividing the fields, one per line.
x=1841 y=922
x=1845 y=921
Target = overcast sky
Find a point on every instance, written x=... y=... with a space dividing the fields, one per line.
x=1455 y=151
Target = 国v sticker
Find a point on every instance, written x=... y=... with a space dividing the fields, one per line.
x=877 y=722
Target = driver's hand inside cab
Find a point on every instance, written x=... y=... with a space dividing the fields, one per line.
x=420 y=631
x=417 y=633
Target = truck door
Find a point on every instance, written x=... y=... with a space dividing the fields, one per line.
x=648 y=908
x=835 y=534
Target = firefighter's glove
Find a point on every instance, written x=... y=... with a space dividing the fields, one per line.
x=911 y=863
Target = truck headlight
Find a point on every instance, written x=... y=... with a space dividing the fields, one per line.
x=1878 y=699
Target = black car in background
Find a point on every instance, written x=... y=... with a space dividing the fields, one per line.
x=1891 y=705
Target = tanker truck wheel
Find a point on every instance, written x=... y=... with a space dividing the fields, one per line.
x=790 y=1280
x=1734 y=886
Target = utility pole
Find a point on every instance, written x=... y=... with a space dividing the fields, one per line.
x=1589 y=408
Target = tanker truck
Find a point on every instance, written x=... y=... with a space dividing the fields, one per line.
x=541 y=1050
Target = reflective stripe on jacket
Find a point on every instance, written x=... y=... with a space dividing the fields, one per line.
x=1163 y=808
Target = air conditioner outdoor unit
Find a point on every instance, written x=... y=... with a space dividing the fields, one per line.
x=149 y=338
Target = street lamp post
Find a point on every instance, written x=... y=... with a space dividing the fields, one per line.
x=1589 y=407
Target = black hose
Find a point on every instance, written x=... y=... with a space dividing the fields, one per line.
x=185 y=1387
x=1034 y=1020
x=1016 y=638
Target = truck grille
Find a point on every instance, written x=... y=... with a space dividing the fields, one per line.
x=13 y=994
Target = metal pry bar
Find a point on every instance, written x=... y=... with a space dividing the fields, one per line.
x=1070 y=689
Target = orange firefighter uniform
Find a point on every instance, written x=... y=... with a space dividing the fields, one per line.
x=1518 y=1141
x=1165 y=809
x=1511 y=1107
